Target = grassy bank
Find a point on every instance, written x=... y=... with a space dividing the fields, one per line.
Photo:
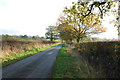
x=19 y=56
x=69 y=66
x=9 y=47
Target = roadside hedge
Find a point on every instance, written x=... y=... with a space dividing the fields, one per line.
x=104 y=56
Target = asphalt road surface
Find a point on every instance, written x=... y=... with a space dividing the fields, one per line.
x=36 y=66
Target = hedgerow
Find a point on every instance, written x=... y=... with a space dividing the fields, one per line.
x=103 y=55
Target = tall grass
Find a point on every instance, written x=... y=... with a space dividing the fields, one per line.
x=19 y=56
x=13 y=47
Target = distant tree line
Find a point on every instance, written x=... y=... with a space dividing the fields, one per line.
x=21 y=37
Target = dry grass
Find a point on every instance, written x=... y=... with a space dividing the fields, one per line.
x=13 y=47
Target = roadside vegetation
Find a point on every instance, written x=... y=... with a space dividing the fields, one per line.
x=15 y=48
x=103 y=55
x=70 y=66
x=17 y=44
x=19 y=56
x=75 y=26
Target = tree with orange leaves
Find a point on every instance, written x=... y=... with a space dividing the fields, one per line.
x=81 y=25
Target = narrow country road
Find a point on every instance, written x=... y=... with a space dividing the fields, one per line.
x=36 y=66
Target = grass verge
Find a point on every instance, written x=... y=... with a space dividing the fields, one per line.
x=19 y=56
x=68 y=66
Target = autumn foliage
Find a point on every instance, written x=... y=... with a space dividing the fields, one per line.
x=81 y=26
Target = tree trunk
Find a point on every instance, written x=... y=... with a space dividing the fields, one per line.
x=78 y=39
x=51 y=37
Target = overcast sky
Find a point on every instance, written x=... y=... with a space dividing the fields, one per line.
x=32 y=17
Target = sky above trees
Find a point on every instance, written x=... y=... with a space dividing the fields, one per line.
x=32 y=17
